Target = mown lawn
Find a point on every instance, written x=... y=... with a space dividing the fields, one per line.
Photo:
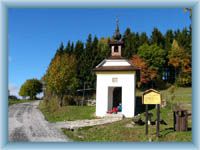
x=124 y=130
x=179 y=95
x=16 y=101
x=68 y=113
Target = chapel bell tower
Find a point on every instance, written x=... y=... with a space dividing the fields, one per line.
x=115 y=82
x=116 y=43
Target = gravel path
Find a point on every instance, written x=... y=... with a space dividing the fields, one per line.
x=85 y=123
x=26 y=123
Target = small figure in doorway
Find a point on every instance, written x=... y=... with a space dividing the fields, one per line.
x=119 y=107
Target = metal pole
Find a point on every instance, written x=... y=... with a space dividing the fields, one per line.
x=158 y=120
x=146 y=119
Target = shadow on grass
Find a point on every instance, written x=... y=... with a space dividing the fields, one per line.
x=171 y=130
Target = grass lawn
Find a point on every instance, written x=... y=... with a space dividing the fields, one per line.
x=14 y=101
x=180 y=94
x=68 y=113
x=124 y=131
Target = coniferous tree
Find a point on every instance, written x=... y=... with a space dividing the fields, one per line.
x=155 y=54
x=143 y=39
x=87 y=63
x=168 y=74
x=157 y=38
x=184 y=39
x=68 y=48
x=78 y=52
x=130 y=43
x=72 y=48
x=61 y=48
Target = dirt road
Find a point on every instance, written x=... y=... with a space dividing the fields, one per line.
x=27 y=123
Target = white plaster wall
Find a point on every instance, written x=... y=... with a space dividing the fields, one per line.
x=126 y=81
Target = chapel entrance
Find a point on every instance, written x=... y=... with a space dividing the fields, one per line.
x=114 y=99
x=117 y=96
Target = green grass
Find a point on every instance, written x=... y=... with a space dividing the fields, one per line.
x=180 y=95
x=68 y=113
x=11 y=101
x=119 y=132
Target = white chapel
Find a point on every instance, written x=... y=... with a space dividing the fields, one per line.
x=116 y=81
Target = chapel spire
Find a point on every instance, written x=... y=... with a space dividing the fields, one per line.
x=117 y=35
x=116 y=42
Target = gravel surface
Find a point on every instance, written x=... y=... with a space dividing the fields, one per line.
x=27 y=123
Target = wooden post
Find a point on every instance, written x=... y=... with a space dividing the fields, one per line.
x=158 y=120
x=146 y=119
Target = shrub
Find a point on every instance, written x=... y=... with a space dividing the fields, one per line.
x=50 y=105
x=185 y=80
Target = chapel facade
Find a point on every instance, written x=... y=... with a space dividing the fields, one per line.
x=115 y=82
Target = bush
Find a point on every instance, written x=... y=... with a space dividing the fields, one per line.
x=13 y=97
x=185 y=80
x=69 y=100
x=50 y=105
x=161 y=85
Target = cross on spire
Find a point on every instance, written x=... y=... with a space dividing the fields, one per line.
x=117 y=23
x=117 y=35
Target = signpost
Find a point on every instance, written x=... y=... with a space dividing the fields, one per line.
x=152 y=96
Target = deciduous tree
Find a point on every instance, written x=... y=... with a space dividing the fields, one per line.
x=31 y=88
x=60 y=77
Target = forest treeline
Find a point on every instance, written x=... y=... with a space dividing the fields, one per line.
x=163 y=59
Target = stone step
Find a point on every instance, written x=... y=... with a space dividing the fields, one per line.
x=118 y=115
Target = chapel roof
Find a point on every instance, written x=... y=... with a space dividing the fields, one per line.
x=115 y=68
x=116 y=62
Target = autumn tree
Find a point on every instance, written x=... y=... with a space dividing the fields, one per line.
x=175 y=56
x=154 y=57
x=184 y=39
x=60 y=77
x=143 y=70
x=31 y=88
x=180 y=60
